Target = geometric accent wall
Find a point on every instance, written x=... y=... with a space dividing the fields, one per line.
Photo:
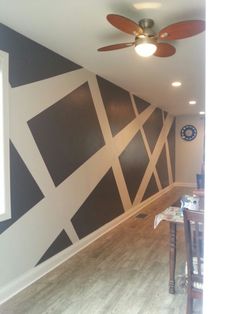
x=84 y=151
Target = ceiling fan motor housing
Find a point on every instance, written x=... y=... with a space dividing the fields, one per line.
x=146 y=25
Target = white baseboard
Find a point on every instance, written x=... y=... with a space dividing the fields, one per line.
x=185 y=185
x=36 y=273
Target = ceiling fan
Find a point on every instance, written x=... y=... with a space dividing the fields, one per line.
x=148 y=43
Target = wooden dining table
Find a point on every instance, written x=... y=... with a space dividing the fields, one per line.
x=174 y=216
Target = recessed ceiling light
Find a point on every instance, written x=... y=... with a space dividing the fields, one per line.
x=176 y=84
x=147 y=5
x=202 y=112
x=192 y=102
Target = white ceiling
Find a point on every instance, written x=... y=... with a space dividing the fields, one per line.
x=76 y=28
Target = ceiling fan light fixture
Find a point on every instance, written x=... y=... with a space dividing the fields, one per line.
x=176 y=84
x=145 y=47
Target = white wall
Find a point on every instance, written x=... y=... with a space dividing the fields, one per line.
x=189 y=154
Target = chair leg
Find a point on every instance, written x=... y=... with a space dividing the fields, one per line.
x=189 y=305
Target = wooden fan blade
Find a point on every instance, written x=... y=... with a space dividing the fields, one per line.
x=124 y=24
x=182 y=30
x=164 y=50
x=116 y=46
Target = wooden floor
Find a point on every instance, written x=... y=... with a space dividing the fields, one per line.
x=125 y=271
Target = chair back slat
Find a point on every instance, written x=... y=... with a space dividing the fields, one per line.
x=194 y=237
x=198 y=248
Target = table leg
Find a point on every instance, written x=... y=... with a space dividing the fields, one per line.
x=172 y=257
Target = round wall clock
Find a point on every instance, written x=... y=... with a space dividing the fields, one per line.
x=188 y=132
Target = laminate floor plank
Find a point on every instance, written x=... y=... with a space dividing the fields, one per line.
x=126 y=271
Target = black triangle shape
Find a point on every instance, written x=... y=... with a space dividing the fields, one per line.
x=25 y=192
x=171 y=143
x=29 y=61
x=151 y=188
x=103 y=205
x=61 y=243
x=140 y=104
x=162 y=169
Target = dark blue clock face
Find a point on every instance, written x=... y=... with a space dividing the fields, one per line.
x=188 y=132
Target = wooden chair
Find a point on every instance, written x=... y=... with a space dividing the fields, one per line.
x=194 y=235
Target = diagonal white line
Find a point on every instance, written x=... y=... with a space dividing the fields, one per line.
x=158 y=181
x=156 y=153
x=31 y=99
x=169 y=168
x=170 y=176
x=105 y=127
x=146 y=143
x=119 y=142
x=70 y=230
